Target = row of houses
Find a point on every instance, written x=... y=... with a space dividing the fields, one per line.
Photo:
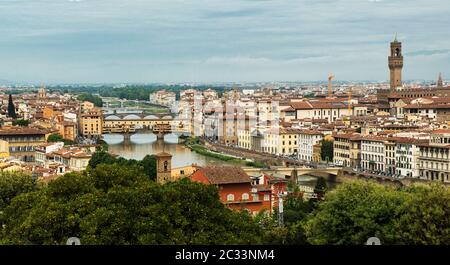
x=421 y=155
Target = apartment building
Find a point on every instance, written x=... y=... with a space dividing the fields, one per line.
x=306 y=140
x=434 y=159
x=163 y=97
x=407 y=153
x=66 y=159
x=22 y=141
x=91 y=123
x=373 y=153
x=315 y=109
x=281 y=141
x=347 y=149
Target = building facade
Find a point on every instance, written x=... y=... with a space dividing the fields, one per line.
x=306 y=140
x=22 y=141
x=434 y=159
x=91 y=123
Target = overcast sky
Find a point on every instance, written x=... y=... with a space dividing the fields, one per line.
x=50 y=41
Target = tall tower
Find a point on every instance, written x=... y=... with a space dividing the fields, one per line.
x=42 y=93
x=163 y=167
x=396 y=63
x=440 y=83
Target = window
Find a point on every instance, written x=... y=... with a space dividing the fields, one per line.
x=230 y=197
x=245 y=196
x=266 y=197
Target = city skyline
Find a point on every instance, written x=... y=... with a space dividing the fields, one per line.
x=97 y=41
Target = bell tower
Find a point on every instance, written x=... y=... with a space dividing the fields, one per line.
x=163 y=167
x=396 y=64
x=440 y=83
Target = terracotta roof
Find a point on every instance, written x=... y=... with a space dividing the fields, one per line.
x=21 y=131
x=225 y=175
x=352 y=136
x=441 y=131
x=301 y=105
x=407 y=140
x=310 y=132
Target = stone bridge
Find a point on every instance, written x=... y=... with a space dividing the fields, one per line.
x=130 y=123
x=330 y=173
x=138 y=116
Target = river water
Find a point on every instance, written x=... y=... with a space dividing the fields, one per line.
x=144 y=144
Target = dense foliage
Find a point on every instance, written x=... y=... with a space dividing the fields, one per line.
x=356 y=211
x=56 y=137
x=21 y=122
x=13 y=184
x=147 y=164
x=117 y=203
x=91 y=98
x=114 y=205
x=327 y=151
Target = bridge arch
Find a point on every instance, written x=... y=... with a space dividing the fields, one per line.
x=132 y=117
x=112 y=118
x=151 y=117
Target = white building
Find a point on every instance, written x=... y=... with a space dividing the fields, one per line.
x=373 y=153
x=331 y=111
x=306 y=140
x=407 y=154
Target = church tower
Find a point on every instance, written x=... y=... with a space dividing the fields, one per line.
x=42 y=93
x=440 y=83
x=163 y=167
x=396 y=64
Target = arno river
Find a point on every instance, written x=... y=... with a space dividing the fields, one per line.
x=141 y=145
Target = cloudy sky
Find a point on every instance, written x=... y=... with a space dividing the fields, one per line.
x=51 y=41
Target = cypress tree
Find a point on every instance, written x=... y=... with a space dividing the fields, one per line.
x=11 y=108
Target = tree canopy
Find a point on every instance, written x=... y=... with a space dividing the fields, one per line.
x=114 y=205
x=147 y=164
x=355 y=211
x=21 y=122
x=56 y=137
x=117 y=204
x=98 y=102
x=327 y=150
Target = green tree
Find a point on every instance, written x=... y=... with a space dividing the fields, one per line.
x=98 y=102
x=321 y=187
x=13 y=184
x=147 y=164
x=11 y=108
x=327 y=150
x=114 y=205
x=424 y=218
x=357 y=210
x=101 y=157
x=21 y=122
x=55 y=137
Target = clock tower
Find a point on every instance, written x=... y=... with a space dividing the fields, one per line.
x=396 y=64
